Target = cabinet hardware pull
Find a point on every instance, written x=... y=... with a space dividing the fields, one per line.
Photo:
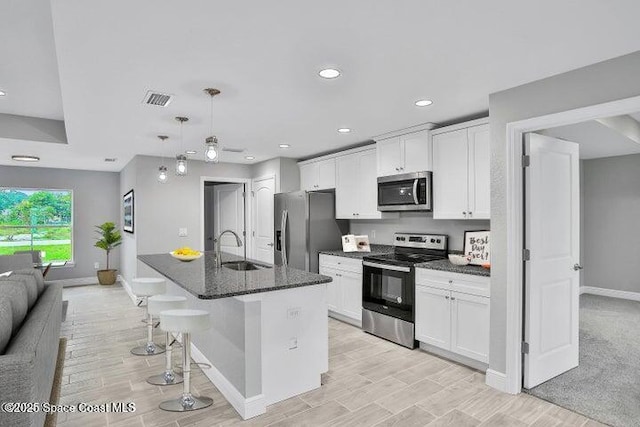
x=447 y=296
x=453 y=298
x=450 y=282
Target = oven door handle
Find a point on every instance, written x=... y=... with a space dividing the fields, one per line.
x=415 y=191
x=386 y=266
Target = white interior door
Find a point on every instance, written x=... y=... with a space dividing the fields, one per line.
x=229 y=215
x=263 y=191
x=552 y=229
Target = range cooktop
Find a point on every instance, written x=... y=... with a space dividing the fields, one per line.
x=414 y=248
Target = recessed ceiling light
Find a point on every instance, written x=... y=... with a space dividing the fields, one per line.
x=329 y=73
x=191 y=152
x=344 y=130
x=423 y=103
x=249 y=157
x=2 y=93
x=284 y=146
x=23 y=158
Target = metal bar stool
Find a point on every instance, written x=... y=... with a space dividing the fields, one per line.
x=186 y=322
x=157 y=304
x=146 y=287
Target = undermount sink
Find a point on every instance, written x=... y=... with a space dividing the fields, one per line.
x=243 y=265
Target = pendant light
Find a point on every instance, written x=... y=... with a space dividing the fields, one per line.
x=163 y=176
x=212 y=149
x=181 y=159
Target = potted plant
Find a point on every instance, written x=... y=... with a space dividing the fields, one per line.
x=110 y=238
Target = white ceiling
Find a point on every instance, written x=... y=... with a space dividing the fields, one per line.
x=596 y=140
x=264 y=56
x=28 y=67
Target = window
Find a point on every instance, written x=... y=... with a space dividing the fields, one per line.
x=37 y=220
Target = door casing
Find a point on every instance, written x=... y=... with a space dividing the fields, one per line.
x=511 y=380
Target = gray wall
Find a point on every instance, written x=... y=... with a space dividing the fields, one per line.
x=161 y=209
x=606 y=81
x=610 y=216
x=95 y=200
x=129 y=246
x=416 y=222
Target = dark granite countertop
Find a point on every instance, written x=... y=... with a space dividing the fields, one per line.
x=445 y=265
x=375 y=250
x=202 y=279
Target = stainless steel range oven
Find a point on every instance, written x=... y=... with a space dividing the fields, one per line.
x=388 y=286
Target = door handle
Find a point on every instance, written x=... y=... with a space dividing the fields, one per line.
x=283 y=227
x=415 y=191
x=577 y=267
x=269 y=244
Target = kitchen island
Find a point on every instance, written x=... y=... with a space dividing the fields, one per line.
x=268 y=339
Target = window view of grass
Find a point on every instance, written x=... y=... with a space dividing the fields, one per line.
x=38 y=220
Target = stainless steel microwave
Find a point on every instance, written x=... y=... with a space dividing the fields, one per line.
x=406 y=192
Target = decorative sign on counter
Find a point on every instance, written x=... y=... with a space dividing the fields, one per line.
x=353 y=243
x=477 y=246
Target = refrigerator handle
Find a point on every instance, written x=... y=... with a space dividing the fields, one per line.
x=283 y=227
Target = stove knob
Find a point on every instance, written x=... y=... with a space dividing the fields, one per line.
x=433 y=240
x=438 y=241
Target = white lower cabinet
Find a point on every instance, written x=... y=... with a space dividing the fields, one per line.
x=454 y=321
x=470 y=326
x=344 y=293
x=433 y=316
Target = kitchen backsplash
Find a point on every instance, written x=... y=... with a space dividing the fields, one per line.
x=381 y=231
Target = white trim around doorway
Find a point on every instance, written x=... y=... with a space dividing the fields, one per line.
x=247 y=207
x=515 y=221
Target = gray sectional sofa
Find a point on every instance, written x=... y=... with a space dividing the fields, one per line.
x=30 y=319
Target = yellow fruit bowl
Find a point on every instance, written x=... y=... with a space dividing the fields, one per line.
x=185 y=255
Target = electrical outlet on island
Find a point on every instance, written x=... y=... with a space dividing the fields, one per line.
x=182 y=232
x=96 y=265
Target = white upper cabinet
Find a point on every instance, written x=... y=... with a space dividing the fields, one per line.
x=357 y=187
x=318 y=175
x=404 y=154
x=450 y=175
x=479 y=173
x=461 y=178
x=389 y=155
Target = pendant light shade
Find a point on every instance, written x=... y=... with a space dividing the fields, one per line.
x=212 y=149
x=212 y=152
x=181 y=165
x=163 y=176
x=181 y=159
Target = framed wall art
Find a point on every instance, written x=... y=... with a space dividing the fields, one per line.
x=477 y=246
x=128 y=216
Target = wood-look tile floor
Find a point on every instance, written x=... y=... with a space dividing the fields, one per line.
x=371 y=382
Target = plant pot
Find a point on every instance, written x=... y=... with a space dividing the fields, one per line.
x=107 y=277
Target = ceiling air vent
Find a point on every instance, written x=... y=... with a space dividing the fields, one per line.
x=157 y=98
x=233 y=150
x=110 y=159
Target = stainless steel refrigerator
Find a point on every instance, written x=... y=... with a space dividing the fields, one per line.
x=305 y=223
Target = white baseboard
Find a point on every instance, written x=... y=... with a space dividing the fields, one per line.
x=497 y=380
x=80 y=281
x=246 y=407
x=633 y=296
x=127 y=288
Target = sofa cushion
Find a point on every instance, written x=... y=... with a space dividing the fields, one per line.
x=6 y=322
x=36 y=274
x=29 y=283
x=16 y=293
